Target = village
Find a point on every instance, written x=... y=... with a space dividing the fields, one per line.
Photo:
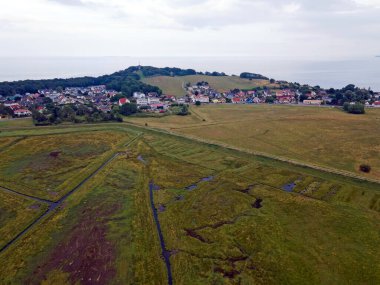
x=201 y=93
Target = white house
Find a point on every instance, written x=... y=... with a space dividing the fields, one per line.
x=142 y=102
x=138 y=95
x=201 y=98
x=153 y=100
x=181 y=100
x=22 y=112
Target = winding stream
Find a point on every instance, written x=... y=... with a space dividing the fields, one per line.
x=165 y=252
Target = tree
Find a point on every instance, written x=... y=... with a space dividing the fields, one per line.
x=184 y=111
x=269 y=99
x=128 y=109
x=356 y=108
x=5 y=111
x=198 y=103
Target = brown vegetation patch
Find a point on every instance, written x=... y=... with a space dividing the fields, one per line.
x=55 y=154
x=86 y=254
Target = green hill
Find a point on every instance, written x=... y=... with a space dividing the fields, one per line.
x=174 y=85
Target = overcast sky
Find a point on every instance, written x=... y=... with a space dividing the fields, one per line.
x=323 y=28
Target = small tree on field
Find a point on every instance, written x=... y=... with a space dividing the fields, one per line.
x=365 y=168
x=356 y=108
x=198 y=103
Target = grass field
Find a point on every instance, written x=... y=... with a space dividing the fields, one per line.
x=322 y=136
x=47 y=167
x=204 y=213
x=175 y=85
x=15 y=214
x=16 y=123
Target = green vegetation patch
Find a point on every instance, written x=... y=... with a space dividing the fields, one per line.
x=46 y=166
x=16 y=213
x=204 y=213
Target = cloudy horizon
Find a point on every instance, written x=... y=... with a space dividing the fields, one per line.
x=275 y=28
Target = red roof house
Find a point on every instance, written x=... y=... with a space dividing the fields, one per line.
x=123 y=101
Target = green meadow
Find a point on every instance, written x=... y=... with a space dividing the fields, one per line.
x=148 y=207
x=175 y=85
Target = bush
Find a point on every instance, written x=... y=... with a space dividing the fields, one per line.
x=198 y=103
x=365 y=168
x=184 y=111
x=128 y=109
x=356 y=108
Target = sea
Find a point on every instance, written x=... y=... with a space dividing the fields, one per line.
x=337 y=73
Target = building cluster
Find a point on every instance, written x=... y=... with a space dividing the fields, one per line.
x=203 y=93
x=102 y=99
x=98 y=96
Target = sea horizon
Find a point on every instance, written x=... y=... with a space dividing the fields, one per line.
x=363 y=72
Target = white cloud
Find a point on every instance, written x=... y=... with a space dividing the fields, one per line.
x=368 y=3
x=193 y=27
x=291 y=7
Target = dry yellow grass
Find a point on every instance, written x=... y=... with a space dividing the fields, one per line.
x=322 y=136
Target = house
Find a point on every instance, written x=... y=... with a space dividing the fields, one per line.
x=284 y=99
x=376 y=103
x=181 y=100
x=312 y=102
x=138 y=95
x=40 y=109
x=256 y=100
x=123 y=101
x=153 y=100
x=22 y=113
x=14 y=106
x=142 y=102
x=158 y=107
x=237 y=100
x=200 y=98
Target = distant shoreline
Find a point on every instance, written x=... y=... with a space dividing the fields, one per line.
x=326 y=73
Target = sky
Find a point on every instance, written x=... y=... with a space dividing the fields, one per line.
x=270 y=28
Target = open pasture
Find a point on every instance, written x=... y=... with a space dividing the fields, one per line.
x=175 y=85
x=316 y=135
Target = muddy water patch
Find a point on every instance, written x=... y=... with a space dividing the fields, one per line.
x=195 y=185
x=257 y=203
x=179 y=198
x=161 y=208
x=141 y=159
x=290 y=187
